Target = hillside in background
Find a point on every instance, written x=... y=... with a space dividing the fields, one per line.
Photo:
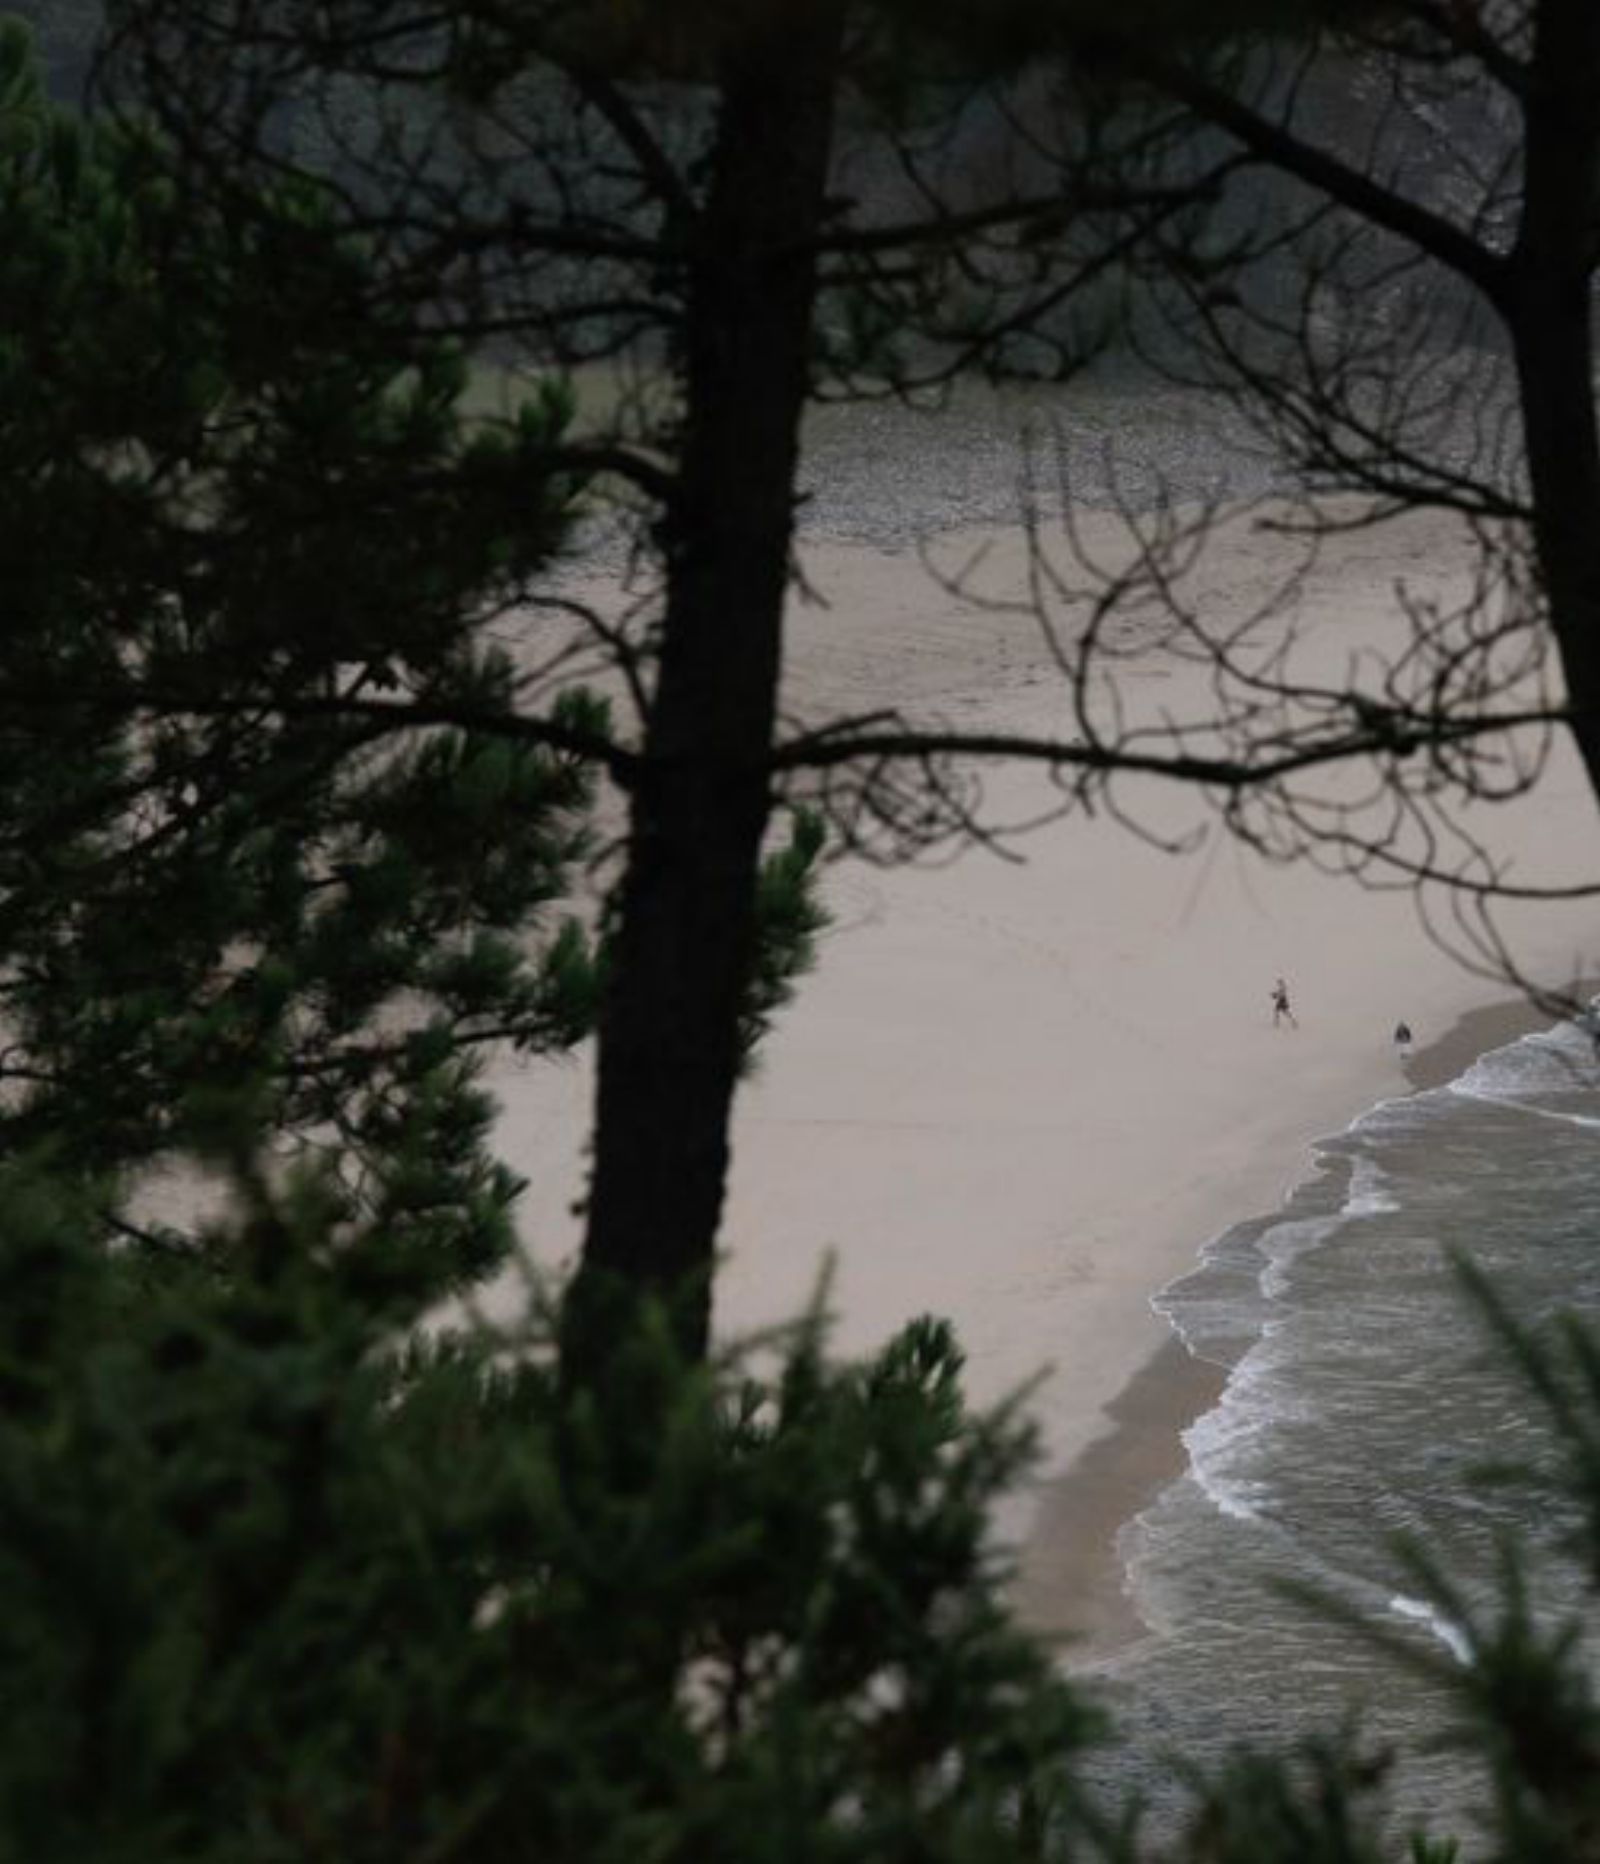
x=1434 y=141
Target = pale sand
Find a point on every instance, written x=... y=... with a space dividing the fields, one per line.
x=1024 y=1096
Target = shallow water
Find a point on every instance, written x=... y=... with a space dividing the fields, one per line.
x=1364 y=1392
x=890 y=474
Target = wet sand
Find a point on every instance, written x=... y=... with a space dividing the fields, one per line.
x=1071 y=1582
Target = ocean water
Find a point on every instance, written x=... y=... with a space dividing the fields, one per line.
x=1364 y=1392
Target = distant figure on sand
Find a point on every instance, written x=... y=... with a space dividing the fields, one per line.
x=1280 y=1005
x=1402 y=1040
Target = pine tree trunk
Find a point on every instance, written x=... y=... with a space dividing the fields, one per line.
x=1551 y=313
x=669 y=1039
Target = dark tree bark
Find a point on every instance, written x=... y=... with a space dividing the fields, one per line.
x=572 y=200
x=1513 y=94
x=669 y=1041
x=1550 y=309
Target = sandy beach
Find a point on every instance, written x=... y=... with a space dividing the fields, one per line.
x=1024 y=1094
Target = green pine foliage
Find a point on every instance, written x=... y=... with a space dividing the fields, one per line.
x=244 y=508
x=789 y=917
x=233 y=501
x=291 y=1571
x=285 y=1580
x=290 y=1574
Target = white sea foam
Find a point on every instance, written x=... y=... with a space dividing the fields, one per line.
x=1327 y=1437
x=1215 y=1309
x=1285 y=1243
x=1524 y=1102
x=1219 y=1441
x=1435 y=1623
x=1565 y=1119
x=1368 y=1196
x=1550 y=1061
x=1553 y=1075
x=1204 y=1332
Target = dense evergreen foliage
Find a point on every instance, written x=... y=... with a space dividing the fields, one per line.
x=287 y=1578
x=242 y=510
x=285 y=1581
x=292 y=1569
x=227 y=503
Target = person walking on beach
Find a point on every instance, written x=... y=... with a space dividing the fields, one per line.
x=1402 y=1040
x=1280 y=1006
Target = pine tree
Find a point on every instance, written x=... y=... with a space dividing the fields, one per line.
x=230 y=500
x=285 y=1580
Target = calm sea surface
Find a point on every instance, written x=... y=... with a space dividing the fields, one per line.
x=1364 y=1392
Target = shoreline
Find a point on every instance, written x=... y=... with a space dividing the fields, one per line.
x=1021 y=1093
x=1070 y=1585
x=1475 y=1033
x=1070 y=1580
